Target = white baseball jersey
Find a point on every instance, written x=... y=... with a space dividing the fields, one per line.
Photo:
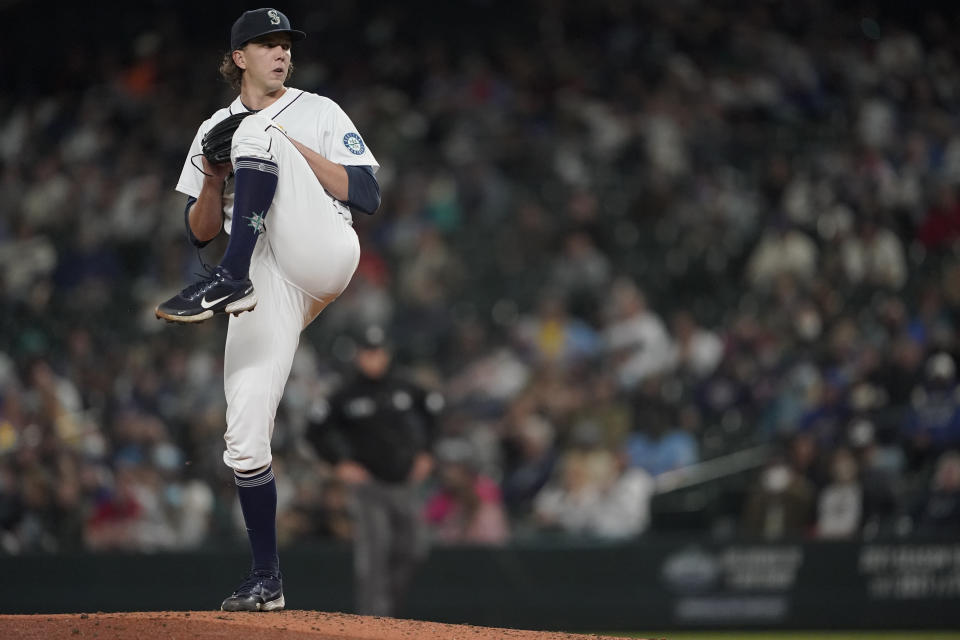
x=302 y=261
x=312 y=120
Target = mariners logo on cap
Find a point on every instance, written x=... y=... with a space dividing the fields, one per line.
x=354 y=143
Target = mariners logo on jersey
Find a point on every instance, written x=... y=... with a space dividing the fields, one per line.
x=354 y=143
x=256 y=222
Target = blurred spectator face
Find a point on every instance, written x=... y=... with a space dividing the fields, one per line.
x=575 y=475
x=950 y=283
x=68 y=494
x=36 y=492
x=785 y=288
x=683 y=326
x=587 y=470
x=536 y=436
x=471 y=338
x=803 y=451
x=373 y=363
x=907 y=354
x=946 y=198
x=893 y=314
x=807 y=323
x=41 y=375
x=941 y=371
x=552 y=307
x=844 y=338
x=862 y=435
x=334 y=497
x=947 y=476
x=844 y=468
x=578 y=245
x=456 y=477
x=80 y=343
x=583 y=206
x=625 y=300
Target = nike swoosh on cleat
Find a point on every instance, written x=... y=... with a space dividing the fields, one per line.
x=207 y=305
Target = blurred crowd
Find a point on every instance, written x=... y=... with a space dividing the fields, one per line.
x=620 y=238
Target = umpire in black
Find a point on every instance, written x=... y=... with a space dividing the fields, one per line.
x=377 y=432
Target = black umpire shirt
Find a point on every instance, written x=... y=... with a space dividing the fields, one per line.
x=380 y=423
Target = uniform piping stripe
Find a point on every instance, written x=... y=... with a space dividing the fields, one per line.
x=257 y=165
x=256 y=473
x=255 y=481
x=287 y=105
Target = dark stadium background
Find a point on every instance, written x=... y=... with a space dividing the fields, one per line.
x=490 y=172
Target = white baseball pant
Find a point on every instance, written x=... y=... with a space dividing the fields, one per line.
x=303 y=260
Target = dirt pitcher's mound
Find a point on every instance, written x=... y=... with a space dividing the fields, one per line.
x=283 y=625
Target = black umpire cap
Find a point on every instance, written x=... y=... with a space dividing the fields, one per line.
x=373 y=337
x=259 y=22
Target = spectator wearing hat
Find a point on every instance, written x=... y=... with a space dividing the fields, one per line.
x=532 y=454
x=594 y=491
x=881 y=462
x=932 y=423
x=780 y=505
x=467 y=507
x=939 y=510
x=840 y=503
x=635 y=337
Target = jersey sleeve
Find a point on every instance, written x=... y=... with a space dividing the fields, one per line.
x=341 y=140
x=191 y=177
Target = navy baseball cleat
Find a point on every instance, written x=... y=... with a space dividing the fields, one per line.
x=217 y=293
x=261 y=591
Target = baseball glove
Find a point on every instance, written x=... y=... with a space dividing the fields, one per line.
x=216 y=144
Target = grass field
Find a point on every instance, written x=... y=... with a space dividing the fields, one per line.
x=795 y=635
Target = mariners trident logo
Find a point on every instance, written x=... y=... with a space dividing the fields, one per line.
x=274 y=17
x=256 y=222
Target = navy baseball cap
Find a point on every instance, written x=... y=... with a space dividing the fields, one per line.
x=259 y=22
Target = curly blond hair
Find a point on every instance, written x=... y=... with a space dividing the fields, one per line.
x=234 y=74
x=230 y=71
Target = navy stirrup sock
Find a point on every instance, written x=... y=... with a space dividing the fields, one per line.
x=258 y=501
x=255 y=183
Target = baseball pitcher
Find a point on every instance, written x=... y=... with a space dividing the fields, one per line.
x=279 y=169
